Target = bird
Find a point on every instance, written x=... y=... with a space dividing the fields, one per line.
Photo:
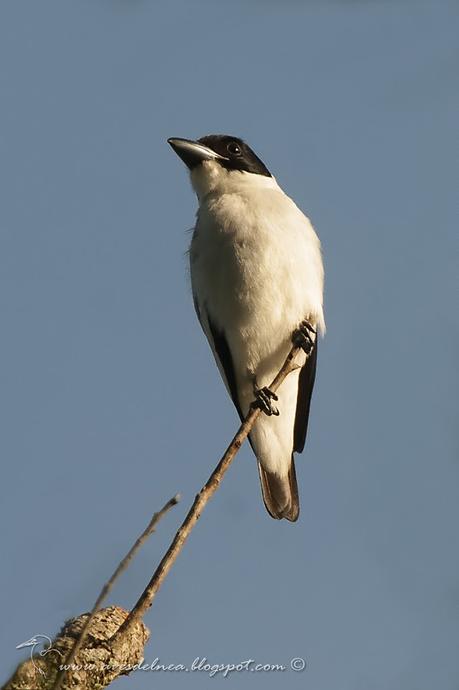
x=257 y=280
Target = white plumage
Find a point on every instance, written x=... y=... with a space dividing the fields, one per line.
x=256 y=273
x=256 y=266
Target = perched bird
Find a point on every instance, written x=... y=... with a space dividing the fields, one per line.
x=257 y=278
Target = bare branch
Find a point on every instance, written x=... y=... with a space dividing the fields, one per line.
x=109 y=584
x=146 y=598
x=116 y=638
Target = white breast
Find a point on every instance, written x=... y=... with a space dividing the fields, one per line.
x=256 y=264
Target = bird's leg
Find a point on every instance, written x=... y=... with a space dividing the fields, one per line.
x=302 y=336
x=263 y=400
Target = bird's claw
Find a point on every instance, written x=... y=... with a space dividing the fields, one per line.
x=263 y=401
x=302 y=336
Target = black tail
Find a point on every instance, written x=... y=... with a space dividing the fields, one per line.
x=280 y=494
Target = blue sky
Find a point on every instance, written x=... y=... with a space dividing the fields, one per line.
x=109 y=399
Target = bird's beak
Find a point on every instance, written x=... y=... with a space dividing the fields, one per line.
x=192 y=152
x=27 y=643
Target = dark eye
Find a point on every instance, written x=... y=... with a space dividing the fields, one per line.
x=234 y=149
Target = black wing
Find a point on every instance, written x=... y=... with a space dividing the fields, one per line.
x=305 y=386
x=221 y=348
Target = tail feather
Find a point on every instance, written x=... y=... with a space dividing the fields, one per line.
x=280 y=494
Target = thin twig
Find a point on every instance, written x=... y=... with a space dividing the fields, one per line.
x=150 y=528
x=146 y=598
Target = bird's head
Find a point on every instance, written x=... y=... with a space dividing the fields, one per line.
x=219 y=160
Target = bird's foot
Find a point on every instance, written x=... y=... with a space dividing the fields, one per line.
x=263 y=401
x=302 y=336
